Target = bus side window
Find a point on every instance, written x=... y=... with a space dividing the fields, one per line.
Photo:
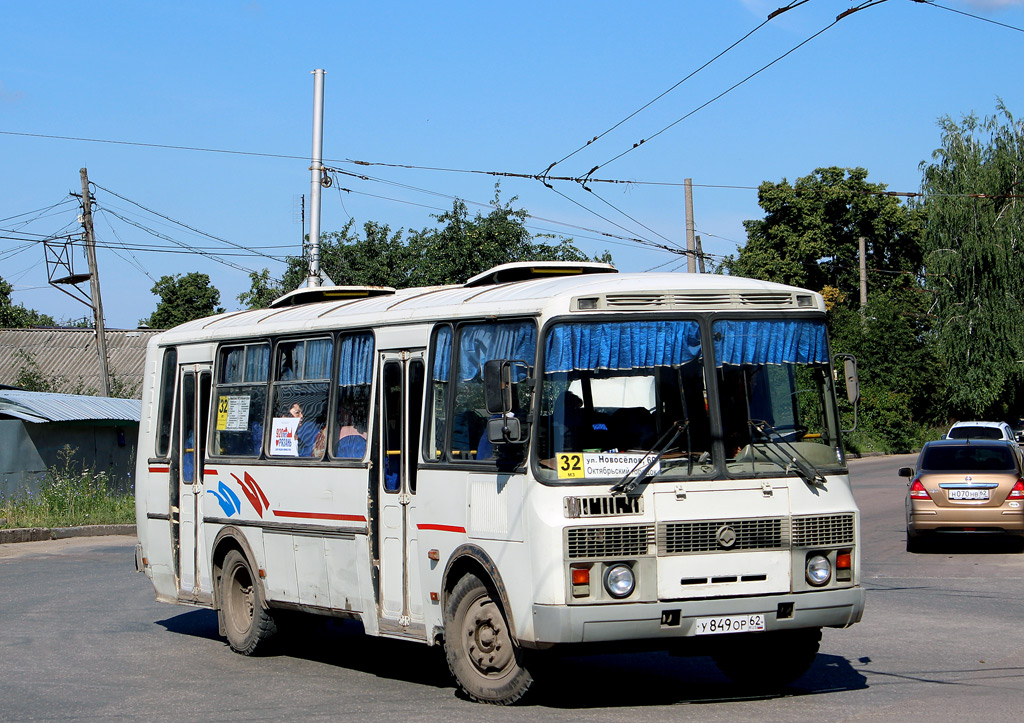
x=240 y=400
x=300 y=391
x=477 y=344
x=434 y=439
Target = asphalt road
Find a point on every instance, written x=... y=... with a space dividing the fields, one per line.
x=81 y=638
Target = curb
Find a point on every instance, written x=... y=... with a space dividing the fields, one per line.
x=39 y=534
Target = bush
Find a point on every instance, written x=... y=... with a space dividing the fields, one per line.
x=68 y=497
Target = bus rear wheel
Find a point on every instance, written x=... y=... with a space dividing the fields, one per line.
x=481 y=654
x=245 y=619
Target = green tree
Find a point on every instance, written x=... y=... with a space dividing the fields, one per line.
x=460 y=247
x=809 y=237
x=810 y=233
x=16 y=316
x=183 y=298
x=975 y=260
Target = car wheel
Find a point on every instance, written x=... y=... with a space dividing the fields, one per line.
x=914 y=542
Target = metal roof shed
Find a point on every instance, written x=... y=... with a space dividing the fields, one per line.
x=36 y=427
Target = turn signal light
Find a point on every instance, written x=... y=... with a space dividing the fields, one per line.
x=918 y=492
x=844 y=561
x=580 y=581
x=1017 y=493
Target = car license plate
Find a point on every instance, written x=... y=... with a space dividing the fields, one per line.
x=728 y=624
x=968 y=494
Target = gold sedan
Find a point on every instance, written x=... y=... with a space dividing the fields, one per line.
x=964 y=486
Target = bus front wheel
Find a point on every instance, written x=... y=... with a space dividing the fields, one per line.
x=481 y=654
x=246 y=621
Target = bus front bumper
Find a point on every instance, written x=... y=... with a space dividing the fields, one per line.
x=554 y=624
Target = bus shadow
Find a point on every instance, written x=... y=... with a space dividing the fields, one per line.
x=633 y=679
x=661 y=679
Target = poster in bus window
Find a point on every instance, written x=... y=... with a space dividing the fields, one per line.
x=283 y=437
x=233 y=413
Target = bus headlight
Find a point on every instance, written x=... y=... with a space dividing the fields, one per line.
x=619 y=581
x=819 y=570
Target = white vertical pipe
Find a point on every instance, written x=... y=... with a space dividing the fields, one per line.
x=316 y=171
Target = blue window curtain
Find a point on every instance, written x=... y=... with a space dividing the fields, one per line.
x=257 y=363
x=442 y=354
x=479 y=343
x=318 y=359
x=770 y=341
x=355 y=364
x=629 y=345
x=231 y=372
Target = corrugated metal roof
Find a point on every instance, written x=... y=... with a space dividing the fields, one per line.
x=70 y=355
x=47 y=407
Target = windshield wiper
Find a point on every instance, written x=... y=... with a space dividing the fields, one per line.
x=629 y=481
x=787 y=452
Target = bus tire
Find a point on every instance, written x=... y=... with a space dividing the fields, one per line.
x=247 y=622
x=768 y=661
x=483 y=658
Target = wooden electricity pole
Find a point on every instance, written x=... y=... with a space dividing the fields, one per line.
x=94 y=282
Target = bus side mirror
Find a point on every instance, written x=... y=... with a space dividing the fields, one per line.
x=497 y=387
x=906 y=472
x=504 y=429
x=852 y=382
x=501 y=392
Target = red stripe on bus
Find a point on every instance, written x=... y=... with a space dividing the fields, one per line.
x=210 y=471
x=319 y=516
x=158 y=470
x=442 y=528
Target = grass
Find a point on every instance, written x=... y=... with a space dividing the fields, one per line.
x=68 y=497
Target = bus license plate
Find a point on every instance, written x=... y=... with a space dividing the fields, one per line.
x=728 y=624
x=968 y=494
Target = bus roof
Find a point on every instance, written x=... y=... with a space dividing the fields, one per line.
x=557 y=294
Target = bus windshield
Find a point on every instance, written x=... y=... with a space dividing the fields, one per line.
x=616 y=394
x=611 y=392
x=775 y=397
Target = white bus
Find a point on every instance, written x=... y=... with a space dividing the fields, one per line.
x=548 y=456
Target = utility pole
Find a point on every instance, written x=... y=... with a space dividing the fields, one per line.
x=94 y=282
x=862 y=248
x=316 y=169
x=700 y=256
x=691 y=247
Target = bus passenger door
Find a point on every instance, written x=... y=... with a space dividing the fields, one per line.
x=401 y=405
x=194 y=403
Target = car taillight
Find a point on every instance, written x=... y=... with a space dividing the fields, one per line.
x=1017 y=493
x=918 y=492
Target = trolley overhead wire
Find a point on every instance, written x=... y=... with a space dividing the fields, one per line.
x=794 y=4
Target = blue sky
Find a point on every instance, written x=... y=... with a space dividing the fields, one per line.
x=470 y=86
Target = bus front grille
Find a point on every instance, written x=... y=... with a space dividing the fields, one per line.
x=681 y=538
x=823 y=531
x=609 y=541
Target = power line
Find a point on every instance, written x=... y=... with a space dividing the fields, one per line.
x=179 y=223
x=961 y=12
x=795 y=3
x=642 y=141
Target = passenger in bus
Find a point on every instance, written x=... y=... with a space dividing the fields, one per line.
x=351 y=441
x=307 y=432
x=567 y=422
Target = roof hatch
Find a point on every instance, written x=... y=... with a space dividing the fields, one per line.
x=526 y=270
x=313 y=294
